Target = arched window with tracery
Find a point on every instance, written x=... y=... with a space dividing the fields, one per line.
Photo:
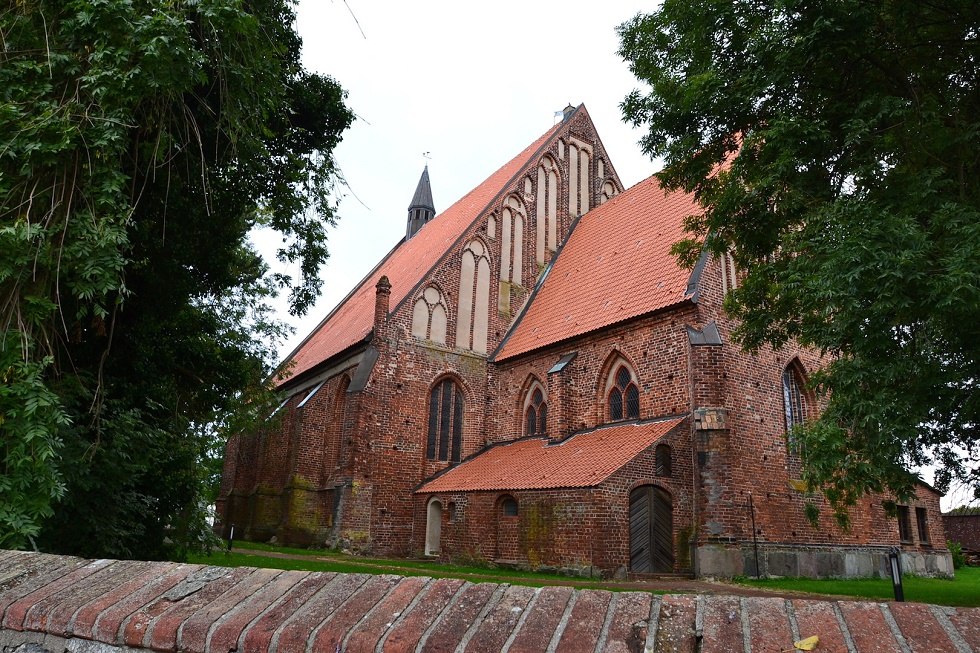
x=473 y=314
x=794 y=401
x=445 y=436
x=535 y=412
x=512 y=217
x=546 y=209
x=429 y=316
x=623 y=399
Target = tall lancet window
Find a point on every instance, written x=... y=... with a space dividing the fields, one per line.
x=547 y=209
x=512 y=240
x=472 y=318
x=579 y=186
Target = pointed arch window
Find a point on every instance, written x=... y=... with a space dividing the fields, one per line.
x=472 y=315
x=429 y=316
x=624 y=397
x=662 y=454
x=794 y=407
x=445 y=438
x=546 y=209
x=536 y=413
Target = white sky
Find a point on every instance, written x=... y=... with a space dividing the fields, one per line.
x=472 y=84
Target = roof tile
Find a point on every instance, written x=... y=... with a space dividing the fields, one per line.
x=584 y=460
x=405 y=266
x=616 y=265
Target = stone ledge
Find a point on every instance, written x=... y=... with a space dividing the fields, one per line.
x=60 y=604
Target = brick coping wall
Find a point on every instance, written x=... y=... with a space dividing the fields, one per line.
x=58 y=603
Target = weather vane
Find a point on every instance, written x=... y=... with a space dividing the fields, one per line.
x=426 y=155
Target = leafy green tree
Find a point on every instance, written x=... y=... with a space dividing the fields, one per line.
x=846 y=140
x=140 y=143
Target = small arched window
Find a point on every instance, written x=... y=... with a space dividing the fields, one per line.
x=445 y=440
x=536 y=414
x=508 y=507
x=624 y=398
x=662 y=453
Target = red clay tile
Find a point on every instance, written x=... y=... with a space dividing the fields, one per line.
x=630 y=621
x=230 y=625
x=330 y=635
x=369 y=632
x=406 y=634
x=819 y=618
x=456 y=620
x=594 y=281
x=110 y=613
x=16 y=614
x=405 y=266
x=500 y=621
x=869 y=631
x=258 y=636
x=544 y=616
x=584 y=460
x=922 y=632
x=768 y=624
x=585 y=623
x=722 y=625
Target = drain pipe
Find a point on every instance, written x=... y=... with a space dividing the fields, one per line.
x=755 y=540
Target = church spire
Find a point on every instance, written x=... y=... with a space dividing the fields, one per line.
x=421 y=209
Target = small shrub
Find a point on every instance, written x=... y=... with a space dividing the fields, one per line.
x=956 y=550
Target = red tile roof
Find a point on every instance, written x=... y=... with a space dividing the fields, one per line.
x=584 y=460
x=616 y=265
x=405 y=266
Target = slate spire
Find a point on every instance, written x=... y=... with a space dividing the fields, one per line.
x=421 y=210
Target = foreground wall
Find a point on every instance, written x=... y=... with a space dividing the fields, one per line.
x=53 y=603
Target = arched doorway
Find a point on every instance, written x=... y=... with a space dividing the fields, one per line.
x=651 y=530
x=433 y=527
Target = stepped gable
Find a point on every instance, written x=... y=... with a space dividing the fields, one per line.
x=583 y=460
x=616 y=265
x=405 y=266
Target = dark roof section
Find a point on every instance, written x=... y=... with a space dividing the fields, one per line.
x=423 y=193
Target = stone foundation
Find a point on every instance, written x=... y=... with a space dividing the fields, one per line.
x=721 y=560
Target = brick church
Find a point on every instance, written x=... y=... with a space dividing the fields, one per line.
x=529 y=378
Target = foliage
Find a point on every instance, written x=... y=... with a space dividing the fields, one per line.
x=141 y=142
x=956 y=551
x=834 y=148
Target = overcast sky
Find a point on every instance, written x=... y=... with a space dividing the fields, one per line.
x=472 y=84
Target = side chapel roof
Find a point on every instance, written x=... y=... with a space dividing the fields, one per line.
x=615 y=265
x=405 y=266
x=583 y=460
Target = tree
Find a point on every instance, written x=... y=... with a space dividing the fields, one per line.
x=835 y=148
x=141 y=143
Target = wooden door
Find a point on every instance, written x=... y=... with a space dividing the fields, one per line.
x=651 y=531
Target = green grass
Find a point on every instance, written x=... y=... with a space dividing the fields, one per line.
x=962 y=591
x=264 y=556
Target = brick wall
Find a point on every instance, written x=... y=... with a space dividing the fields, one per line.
x=964 y=529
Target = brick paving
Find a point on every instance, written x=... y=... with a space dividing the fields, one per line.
x=64 y=604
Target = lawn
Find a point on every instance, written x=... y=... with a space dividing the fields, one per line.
x=249 y=554
x=963 y=591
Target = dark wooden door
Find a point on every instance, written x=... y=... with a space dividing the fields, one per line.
x=651 y=531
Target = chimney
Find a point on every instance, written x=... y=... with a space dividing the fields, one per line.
x=381 y=302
